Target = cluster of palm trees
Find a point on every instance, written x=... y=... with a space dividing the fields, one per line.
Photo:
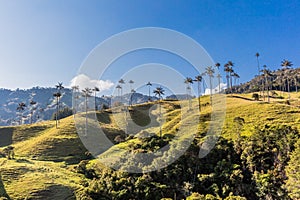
x=265 y=85
x=21 y=108
x=210 y=72
x=267 y=78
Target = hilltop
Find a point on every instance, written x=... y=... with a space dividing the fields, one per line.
x=275 y=80
x=53 y=163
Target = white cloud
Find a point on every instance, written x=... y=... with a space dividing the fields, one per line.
x=84 y=81
x=223 y=86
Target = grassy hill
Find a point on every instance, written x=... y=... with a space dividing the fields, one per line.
x=46 y=161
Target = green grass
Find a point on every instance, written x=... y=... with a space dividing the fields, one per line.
x=45 y=155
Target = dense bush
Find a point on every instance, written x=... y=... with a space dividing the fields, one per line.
x=257 y=171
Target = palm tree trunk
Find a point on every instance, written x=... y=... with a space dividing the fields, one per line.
x=263 y=88
x=96 y=108
x=31 y=113
x=267 y=83
x=288 y=87
x=296 y=84
x=231 y=85
x=56 y=116
x=228 y=84
x=210 y=85
x=199 y=101
x=58 y=109
x=219 y=82
x=149 y=98
x=160 y=131
x=86 y=116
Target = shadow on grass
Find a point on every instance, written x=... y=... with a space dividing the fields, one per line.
x=53 y=192
x=2 y=190
x=6 y=136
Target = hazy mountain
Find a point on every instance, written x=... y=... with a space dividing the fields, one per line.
x=46 y=103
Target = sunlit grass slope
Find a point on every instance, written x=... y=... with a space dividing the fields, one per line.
x=45 y=155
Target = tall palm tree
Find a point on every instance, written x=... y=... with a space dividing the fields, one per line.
x=258 y=68
x=131 y=96
x=226 y=70
x=210 y=72
x=86 y=92
x=217 y=65
x=231 y=71
x=188 y=81
x=132 y=91
x=258 y=71
x=96 y=89
x=131 y=82
x=285 y=64
x=119 y=88
x=267 y=74
x=296 y=82
x=122 y=82
x=264 y=74
x=219 y=81
x=159 y=91
x=149 y=87
x=59 y=88
x=32 y=103
x=21 y=108
x=235 y=77
x=57 y=95
x=198 y=79
x=75 y=90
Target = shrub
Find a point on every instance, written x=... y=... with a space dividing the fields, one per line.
x=255 y=96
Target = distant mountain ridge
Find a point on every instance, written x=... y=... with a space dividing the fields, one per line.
x=46 y=103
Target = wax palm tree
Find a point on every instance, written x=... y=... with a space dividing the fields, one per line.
x=159 y=91
x=227 y=69
x=258 y=70
x=198 y=79
x=57 y=95
x=132 y=91
x=296 y=82
x=75 y=90
x=96 y=89
x=188 y=81
x=21 y=108
x=131 y=96
x=119 y=88
x=32 y=103
x=217 y=65
x=149 y=87
x=131 y=82
x=235 y=77
x=59 y=88
x=86 y=93
x=231 y=71
x=210 y=72
x=219 y=81
x=122 y=82
x=267 y=74
x=264 y=80
x=285 y=64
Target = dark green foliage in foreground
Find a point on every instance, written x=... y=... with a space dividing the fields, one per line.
x=293 y=173
x=256 y=170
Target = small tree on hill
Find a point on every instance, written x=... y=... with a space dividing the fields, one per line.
x=21 y=108
x=159 y=91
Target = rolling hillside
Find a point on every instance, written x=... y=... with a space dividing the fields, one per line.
x=48 y=160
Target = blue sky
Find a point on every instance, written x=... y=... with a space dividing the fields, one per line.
x=43 y=42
